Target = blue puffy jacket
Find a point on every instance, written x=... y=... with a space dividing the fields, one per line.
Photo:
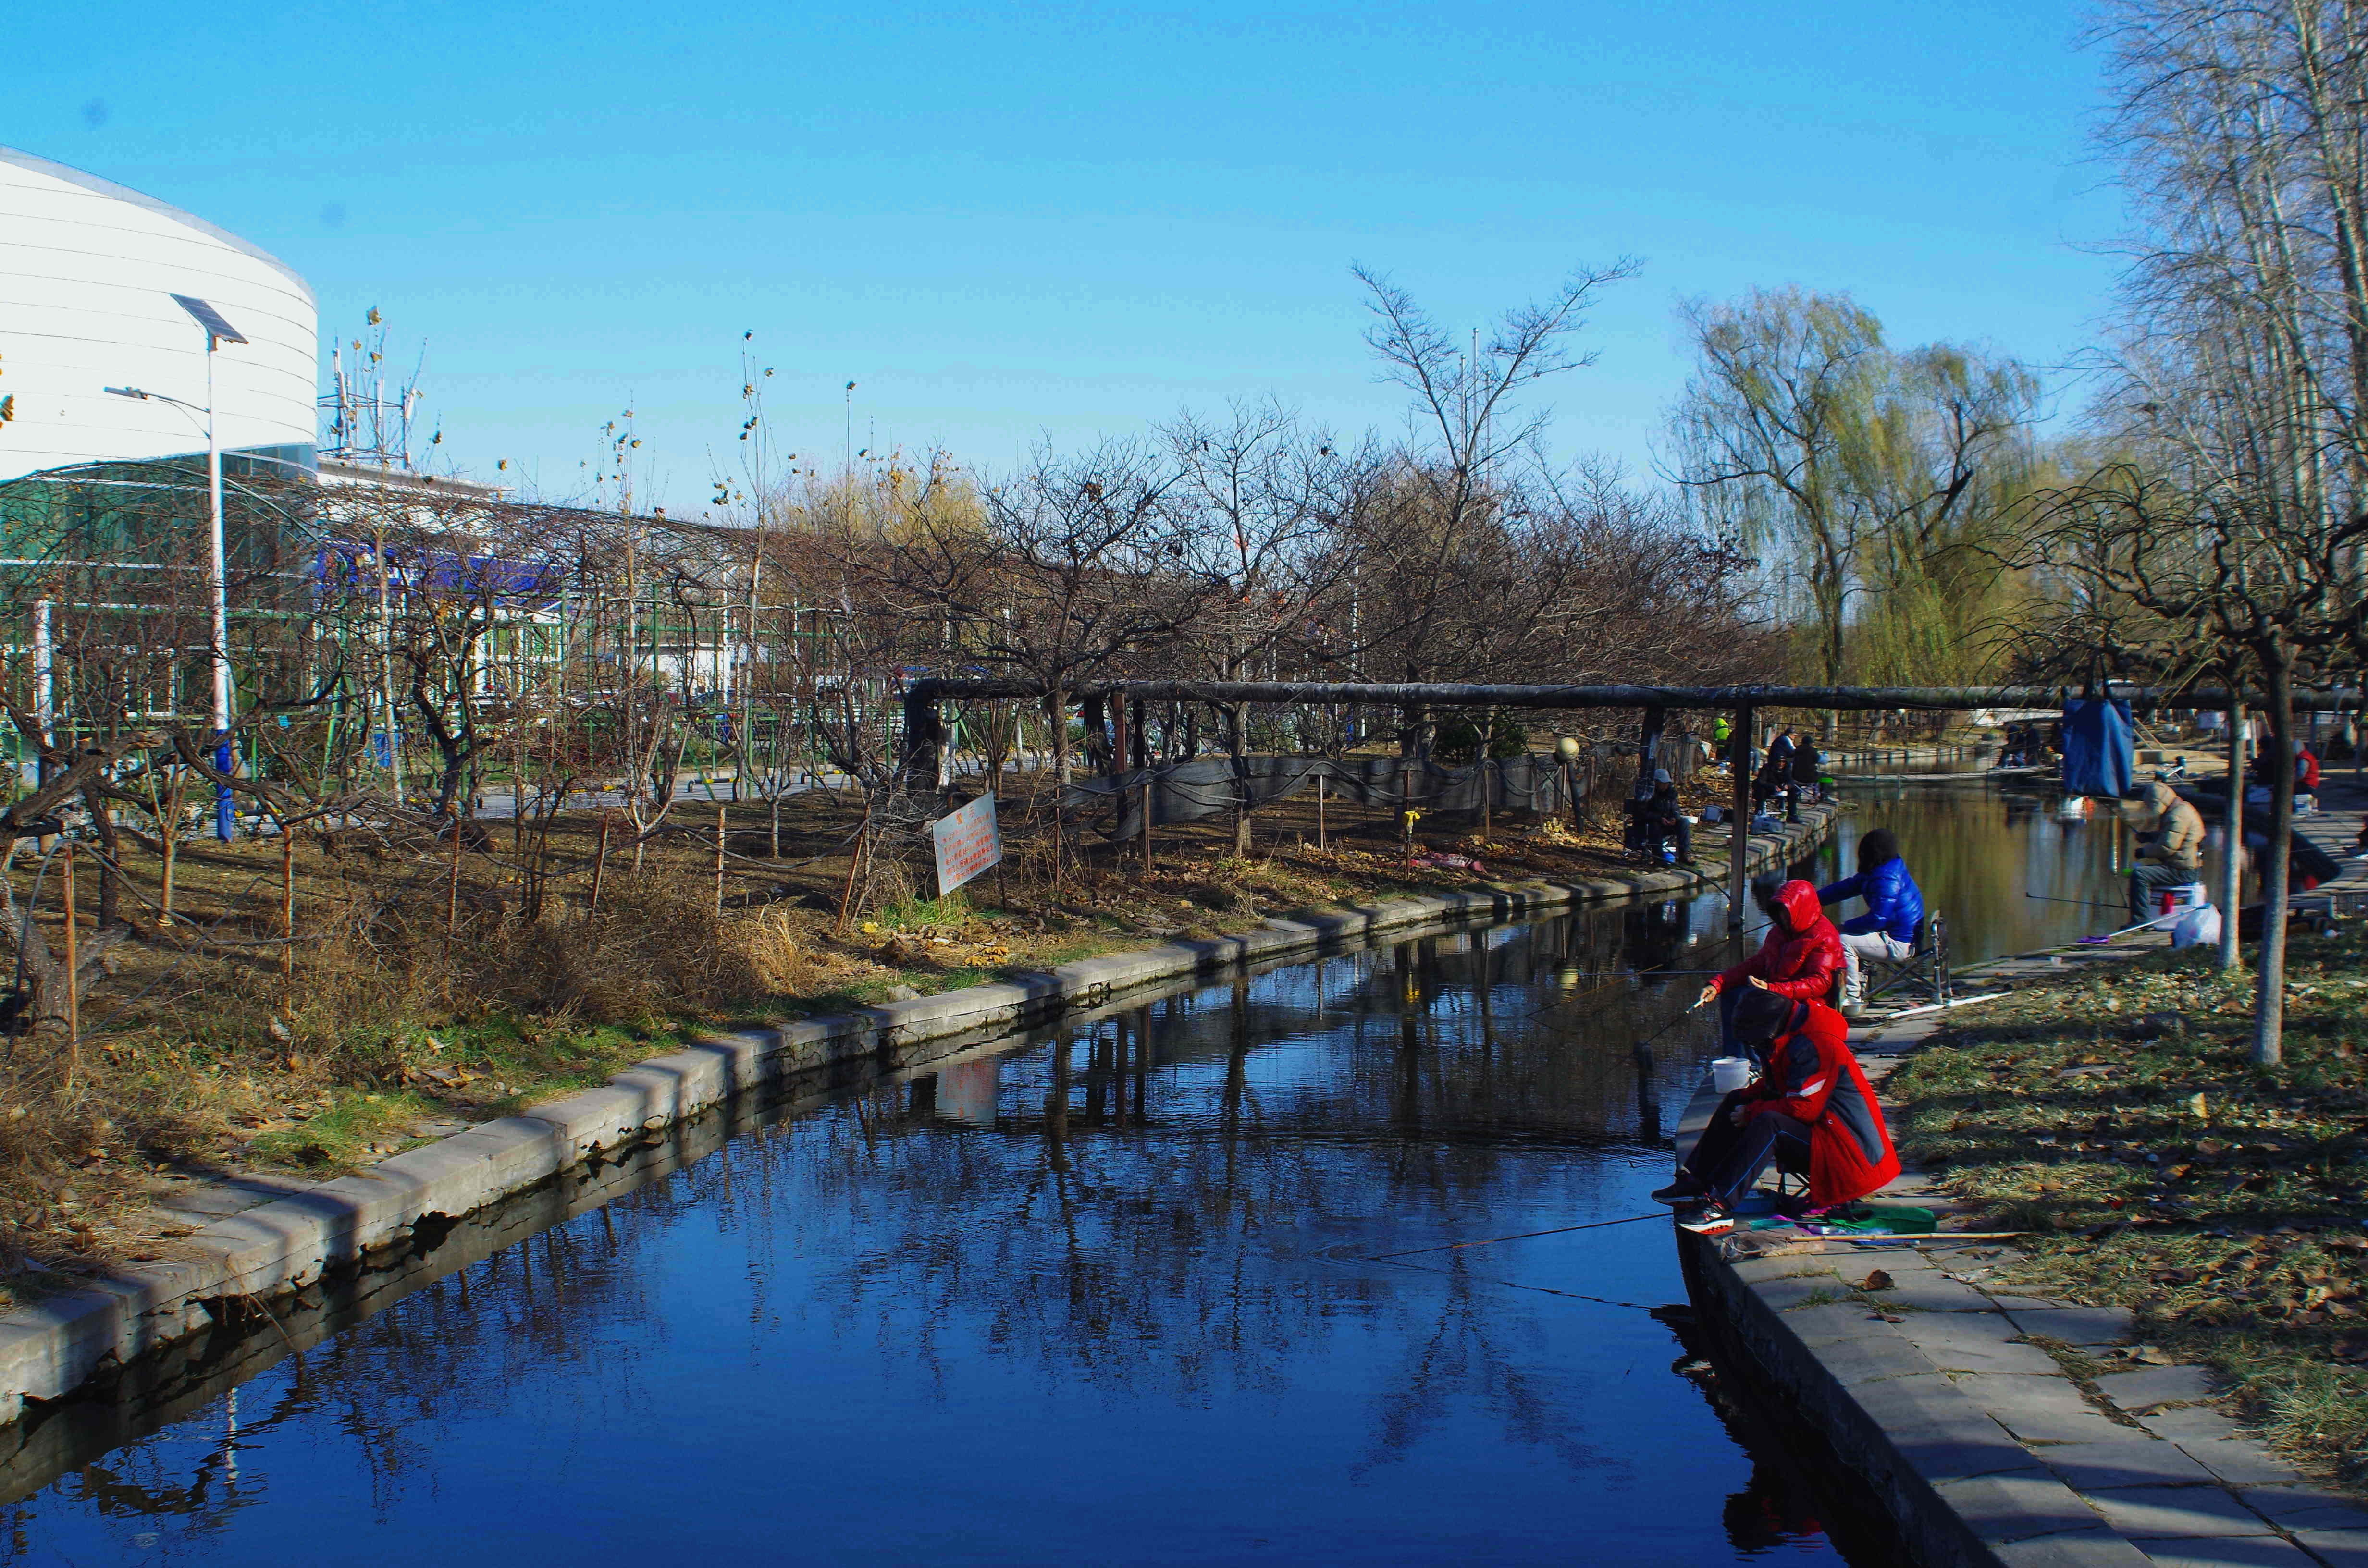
x=1894 y=902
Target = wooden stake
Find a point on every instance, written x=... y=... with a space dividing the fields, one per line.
x=1319 y=810
x=287 y=916
x=452 y=885
x=854 y=864
x=600 y=868
x=74 y=970
x=719 y=860
x=169 y=833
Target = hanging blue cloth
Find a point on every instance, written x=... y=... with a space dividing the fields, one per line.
x=2098 y=755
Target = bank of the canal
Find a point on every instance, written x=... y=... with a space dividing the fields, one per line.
x=2000 y=1426
x=1277 y=1265
x=287 y=1235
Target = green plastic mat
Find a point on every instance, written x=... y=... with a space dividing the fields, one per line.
x=1862 y=1220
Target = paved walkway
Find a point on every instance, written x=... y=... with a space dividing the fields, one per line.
x=2137 y=1466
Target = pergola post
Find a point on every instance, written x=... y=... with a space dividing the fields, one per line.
x=1738 y=837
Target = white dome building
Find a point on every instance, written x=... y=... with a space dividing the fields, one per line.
x=87 y=274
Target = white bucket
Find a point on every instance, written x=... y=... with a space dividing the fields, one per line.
x=1728 y=1073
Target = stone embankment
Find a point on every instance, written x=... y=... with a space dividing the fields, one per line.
x=259 y=1241
x=1947 y=1396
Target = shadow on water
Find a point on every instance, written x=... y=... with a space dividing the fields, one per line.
x=1186 y=1279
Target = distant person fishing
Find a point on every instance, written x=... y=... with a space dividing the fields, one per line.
x=1893 y=923
x=2171 y=855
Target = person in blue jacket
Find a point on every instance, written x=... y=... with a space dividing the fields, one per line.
x=1895 y=910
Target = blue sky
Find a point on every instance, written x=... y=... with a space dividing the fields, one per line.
x=1012 y=222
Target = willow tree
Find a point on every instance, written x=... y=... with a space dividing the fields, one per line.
x=1874 y=484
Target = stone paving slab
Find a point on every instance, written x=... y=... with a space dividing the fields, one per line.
x=2075 y=1325
x=2145 y=1513
x=2018 y=1506
x=2315 y=1506
x=2240 y=1462
x=2142 y=1390
x=2134 y=1459
x=1974 y=1342
x=2039 y=1409
x=2097 y=1547
x=2182 y=1423
x=2337 y=1549
x=2229 y=1552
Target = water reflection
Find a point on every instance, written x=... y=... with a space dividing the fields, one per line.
x=2010 y=871
x=1137 y=1290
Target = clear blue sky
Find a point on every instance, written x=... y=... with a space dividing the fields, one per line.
x=1010 y=221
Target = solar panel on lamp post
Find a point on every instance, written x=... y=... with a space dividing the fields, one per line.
x=218 y=331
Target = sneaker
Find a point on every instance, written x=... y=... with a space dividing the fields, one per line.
x=1710 y=1220
x=1685 y=1189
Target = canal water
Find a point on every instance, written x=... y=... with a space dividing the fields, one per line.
x=1245 y=1273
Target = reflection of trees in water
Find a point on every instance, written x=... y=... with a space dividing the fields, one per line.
x=1107 y=1206
x=456 y=1347
x=1461 y=1358
x=1116 y=1218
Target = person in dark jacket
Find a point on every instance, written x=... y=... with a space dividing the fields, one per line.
x=1811 y=1107
x=1809 y=767
x=1660 y=817
x=1893 y=921
x=1802 y=959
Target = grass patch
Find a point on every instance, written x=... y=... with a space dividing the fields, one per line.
x=2120 y=1117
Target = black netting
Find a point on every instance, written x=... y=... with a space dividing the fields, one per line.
x=1204 y=786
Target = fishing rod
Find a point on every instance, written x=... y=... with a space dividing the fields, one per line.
x=2124 y=931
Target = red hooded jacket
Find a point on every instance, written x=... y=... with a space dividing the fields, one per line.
x=1803 y=955
x=1813 y=1077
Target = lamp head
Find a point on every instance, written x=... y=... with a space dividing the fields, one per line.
x=128 y=391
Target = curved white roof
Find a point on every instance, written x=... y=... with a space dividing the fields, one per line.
x=87 y=272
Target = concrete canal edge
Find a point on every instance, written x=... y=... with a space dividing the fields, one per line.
x=53 y=1346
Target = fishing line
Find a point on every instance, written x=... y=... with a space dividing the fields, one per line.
x=2084 y=902
x=1518 y=1236
x=1517 y=1285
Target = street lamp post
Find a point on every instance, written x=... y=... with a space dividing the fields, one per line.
x=218 y=331
x=218 y=584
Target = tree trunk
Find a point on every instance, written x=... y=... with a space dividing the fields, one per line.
x=111 y=880
x=1238 y=747
x=2269 y=997
x=2231 y=955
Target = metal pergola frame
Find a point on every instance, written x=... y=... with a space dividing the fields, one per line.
x=924 y=732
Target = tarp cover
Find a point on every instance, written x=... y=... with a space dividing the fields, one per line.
x=2098 y=754
x=1206 y=785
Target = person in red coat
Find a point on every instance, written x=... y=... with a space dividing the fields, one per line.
x=1812 y=1106
x=1802 y=960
